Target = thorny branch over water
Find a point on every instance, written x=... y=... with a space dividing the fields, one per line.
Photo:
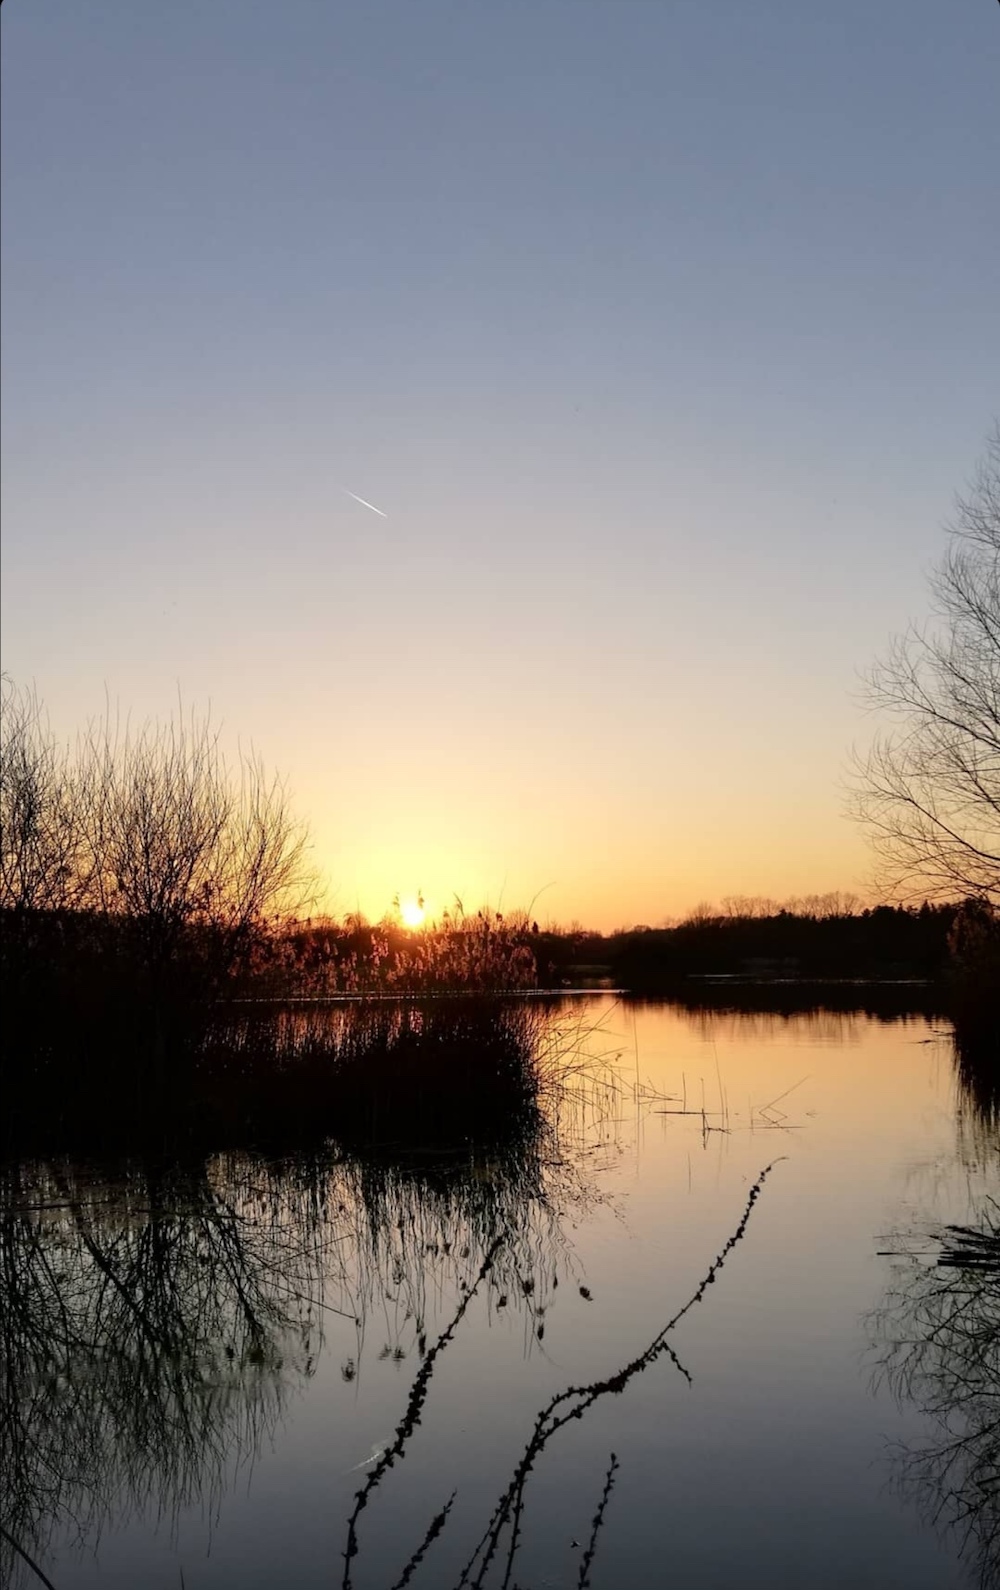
x=567 y=1405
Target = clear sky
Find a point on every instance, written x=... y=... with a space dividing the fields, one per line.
x=662 y=332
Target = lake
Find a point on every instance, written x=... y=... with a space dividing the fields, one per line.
x=206 y=1363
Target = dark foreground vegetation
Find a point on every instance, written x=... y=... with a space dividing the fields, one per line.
x=155 y=960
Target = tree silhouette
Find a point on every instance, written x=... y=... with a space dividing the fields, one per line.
x=929 y=787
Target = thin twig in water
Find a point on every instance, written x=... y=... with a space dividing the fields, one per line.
x=598 y=1519
x=434 y=1529
x=411 y=1416
x=764 y=1109
x=581 y=1398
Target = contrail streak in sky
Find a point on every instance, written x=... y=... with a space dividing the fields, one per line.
x=364 y=504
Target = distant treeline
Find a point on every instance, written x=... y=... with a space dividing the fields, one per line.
x=885 y=943
x=955 y=948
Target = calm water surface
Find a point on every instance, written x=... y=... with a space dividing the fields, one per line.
x=244 y=1336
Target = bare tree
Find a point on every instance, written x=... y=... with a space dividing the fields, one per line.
x=179 y=843
x=139 y=849
x=929 y=787
x=40 y=818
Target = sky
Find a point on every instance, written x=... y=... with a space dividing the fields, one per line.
x=661 y=333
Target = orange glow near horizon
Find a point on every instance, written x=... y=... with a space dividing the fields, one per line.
x=637 y=835
x=562 y=879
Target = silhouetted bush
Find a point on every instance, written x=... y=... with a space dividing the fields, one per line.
x=407 y=1075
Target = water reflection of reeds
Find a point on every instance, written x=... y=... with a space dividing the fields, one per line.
x=157 y=1315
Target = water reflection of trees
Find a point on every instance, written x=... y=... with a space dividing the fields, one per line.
x=147 y=1335
x=841 y=1028
x=978 y=1074
x=937 y=1336
x=835 y=1014
x=154 y=1319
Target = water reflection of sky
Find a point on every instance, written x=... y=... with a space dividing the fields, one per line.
x=770 y=1469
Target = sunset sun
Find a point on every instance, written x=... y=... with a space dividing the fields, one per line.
x=412 y=913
